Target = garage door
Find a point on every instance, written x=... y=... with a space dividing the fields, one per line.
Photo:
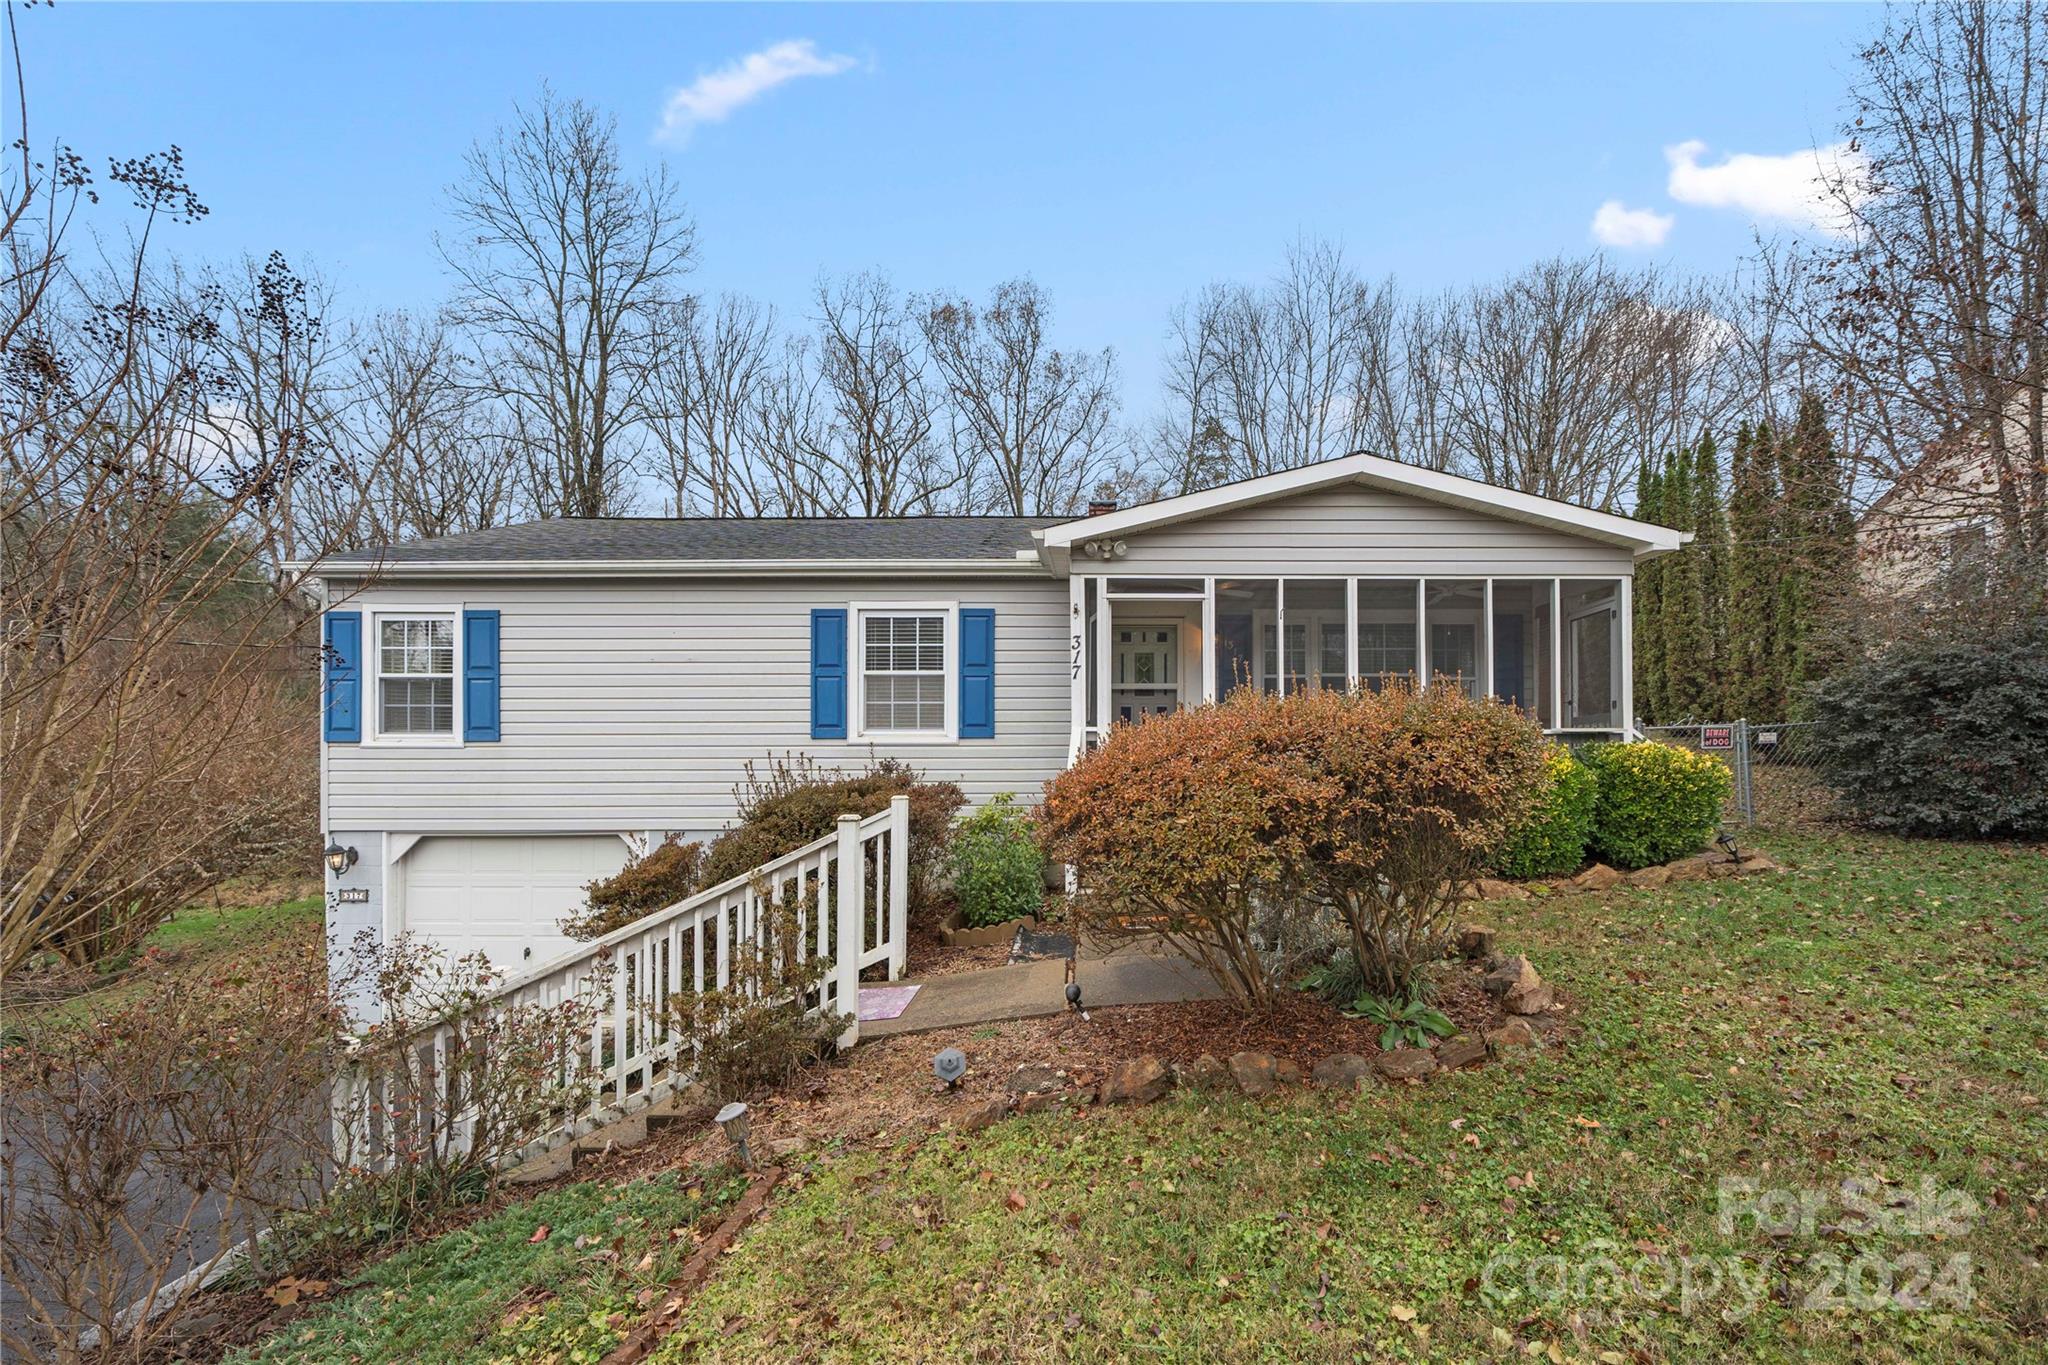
x=505 y=896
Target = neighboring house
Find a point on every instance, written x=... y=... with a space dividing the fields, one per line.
x=509 y=713
x=1939 y=515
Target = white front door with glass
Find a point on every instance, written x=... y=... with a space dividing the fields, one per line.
x=1145 y=672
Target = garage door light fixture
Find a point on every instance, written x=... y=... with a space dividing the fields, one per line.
x=340 y=859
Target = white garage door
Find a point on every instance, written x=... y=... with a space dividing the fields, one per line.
x=505 y=896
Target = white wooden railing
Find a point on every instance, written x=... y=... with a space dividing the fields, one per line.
x=631 y=1056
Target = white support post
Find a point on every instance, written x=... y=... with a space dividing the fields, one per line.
x=1103 y=651
x=1351 y=635
x=1279 y=637
x=1628 y=659
x=899 y=886
x=846 y=944
x=1486 y=670
x=1556 y=654
x=1208 y=640
x=1422 y=678
x=1077 y=691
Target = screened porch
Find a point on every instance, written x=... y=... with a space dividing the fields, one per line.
x=1557 y=647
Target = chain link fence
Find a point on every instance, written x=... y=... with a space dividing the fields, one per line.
x=1777 y=778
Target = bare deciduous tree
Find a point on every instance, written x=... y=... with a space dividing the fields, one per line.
x=1034 y=425
x=855 y=412
x=567 y=274
x=713 y=408
x=1278 y=376
x=1559 y=379
x=1931 y=310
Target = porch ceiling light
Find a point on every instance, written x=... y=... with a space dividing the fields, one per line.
x=340 y=859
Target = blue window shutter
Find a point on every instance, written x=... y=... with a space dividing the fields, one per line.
x=828 y=673
x=341 y=639
x=480 y=677
x=977 y=672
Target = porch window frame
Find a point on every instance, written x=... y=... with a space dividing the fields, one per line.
x=1625 y=704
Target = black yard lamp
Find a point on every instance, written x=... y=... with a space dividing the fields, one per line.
x=734 y=1123
x=340 y=859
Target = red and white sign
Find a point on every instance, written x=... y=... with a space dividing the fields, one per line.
x=1717 y=736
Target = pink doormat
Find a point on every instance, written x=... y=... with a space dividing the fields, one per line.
x=885 y=1002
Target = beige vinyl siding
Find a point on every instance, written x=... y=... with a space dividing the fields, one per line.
x=1357 y=530
x=635 y=704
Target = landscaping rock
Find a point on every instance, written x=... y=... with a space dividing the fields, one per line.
x=1206 y=1072
x=1459 y=1052
x=983 y=1115
x=1040 y=1102
x=1695 y=869
x=1598 y=877
x=1406 y=1064
x=1494 y=889
x=1032 y=1080
x=1514 y=1033
x=1141 y=1080
x=1340 y=1071
x=1511 y=974
x=1650 y=876
x=1475 y=942
x=1529 y=999
x=1256 y=1073
x=1757 y=862
x=1288 y=1071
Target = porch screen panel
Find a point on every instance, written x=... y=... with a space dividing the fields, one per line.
x=1386 y=631
x=1316 y=624
x=1245 y=608
x=1594 y=669
x=1523 y=671
x=1453 y=614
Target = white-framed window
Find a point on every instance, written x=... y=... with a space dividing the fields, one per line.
x=907 y=671
x=416 y=664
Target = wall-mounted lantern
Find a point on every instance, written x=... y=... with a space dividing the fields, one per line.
x=340 y=859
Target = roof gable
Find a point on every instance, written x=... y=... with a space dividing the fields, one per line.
x=1641 y=538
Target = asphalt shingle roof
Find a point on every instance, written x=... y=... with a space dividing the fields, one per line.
x=597 y=540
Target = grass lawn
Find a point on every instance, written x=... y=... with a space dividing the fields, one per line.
x=1879 y=1013
x=196 y=940
x=558 y=1279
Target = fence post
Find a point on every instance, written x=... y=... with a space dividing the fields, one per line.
x=847 y=942
x=899 y=885
x=1745 y=771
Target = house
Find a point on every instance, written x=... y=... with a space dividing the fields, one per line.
x=509 y=713
x=1944 y=514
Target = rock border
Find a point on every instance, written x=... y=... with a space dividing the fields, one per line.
x=1694 y=867
x=1534 y=1015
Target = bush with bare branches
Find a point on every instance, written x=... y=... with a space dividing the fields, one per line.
x=142 y=1149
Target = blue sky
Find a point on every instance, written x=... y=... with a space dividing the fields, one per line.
x=1121 y=155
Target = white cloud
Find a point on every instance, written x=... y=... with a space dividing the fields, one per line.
x=713 y=96
x=1791 y=188
x=1616 y=224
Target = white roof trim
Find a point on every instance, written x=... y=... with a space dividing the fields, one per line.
x=1644 y=538
x=677 y=568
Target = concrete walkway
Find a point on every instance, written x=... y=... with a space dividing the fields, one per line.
x=1132 y=975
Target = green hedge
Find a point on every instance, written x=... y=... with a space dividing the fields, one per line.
x=998 y=870
x=1554 y=840
x=1655 y=802
x=1943 y=740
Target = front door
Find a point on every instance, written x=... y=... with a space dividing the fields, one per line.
x=1595 y=671
x=1145 y=671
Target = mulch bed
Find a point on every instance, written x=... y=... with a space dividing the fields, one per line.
x=928 y=956
x=1299 y=1026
